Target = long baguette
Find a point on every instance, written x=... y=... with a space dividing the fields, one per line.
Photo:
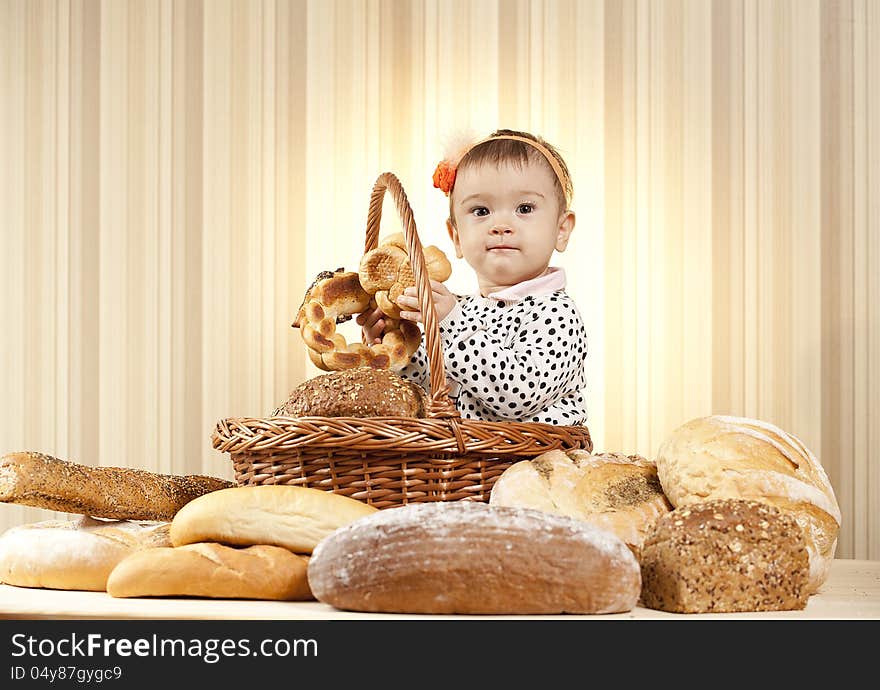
x=121 y=493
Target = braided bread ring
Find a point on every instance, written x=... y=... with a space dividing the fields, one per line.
x=333 y=298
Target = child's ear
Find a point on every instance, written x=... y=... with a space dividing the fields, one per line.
x=453 y=235
x=566 y=225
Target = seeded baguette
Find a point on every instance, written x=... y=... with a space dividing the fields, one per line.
x=121 y=493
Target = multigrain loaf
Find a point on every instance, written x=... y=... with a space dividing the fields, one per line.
x=736 y=457
x=213 y=571
x=725 y=555
x=120 y=493
x=76 y=554
x=361 y=392
x=468 y=557
x=617 y=492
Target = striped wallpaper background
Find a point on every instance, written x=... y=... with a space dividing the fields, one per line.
x=173 y=173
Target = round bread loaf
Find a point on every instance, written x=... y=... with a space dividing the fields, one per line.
x=293 y=517
x=73 y=554
x=472 y=558
x=213 y=571
x=725 y=555
x=736 y=457
x=361 y=392
x=620 y=493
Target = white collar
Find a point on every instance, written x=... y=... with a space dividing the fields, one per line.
x=550 y=281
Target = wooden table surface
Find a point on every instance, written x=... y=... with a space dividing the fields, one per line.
x=852 y=591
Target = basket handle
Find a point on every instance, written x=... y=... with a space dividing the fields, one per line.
x=440 y=404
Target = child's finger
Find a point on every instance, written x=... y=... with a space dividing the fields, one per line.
x=407 y=301
x=375 y=331
x=372 y=318
x=411 y=315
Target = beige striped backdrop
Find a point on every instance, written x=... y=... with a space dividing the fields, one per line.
x=174 y=172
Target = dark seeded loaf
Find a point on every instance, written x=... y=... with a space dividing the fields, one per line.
x=725 y=555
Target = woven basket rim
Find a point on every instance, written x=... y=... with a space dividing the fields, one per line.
x=396 y=434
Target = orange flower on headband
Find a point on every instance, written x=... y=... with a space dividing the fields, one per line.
x=444 y=176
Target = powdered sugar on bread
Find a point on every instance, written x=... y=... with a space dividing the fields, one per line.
x=73 y=554
x=469 y=557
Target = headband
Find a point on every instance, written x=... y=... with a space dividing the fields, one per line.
x=444 y=174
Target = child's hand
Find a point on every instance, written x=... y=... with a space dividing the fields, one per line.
x=371 y=323
x=444 y=302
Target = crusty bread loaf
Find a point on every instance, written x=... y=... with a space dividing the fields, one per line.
x=214 y=571
x=361 y=392
x=617 y=492
x=472 y=558
x=121 y=493
x=73 y=554
x=736 y=457
x=292 y=517
x=725 y=555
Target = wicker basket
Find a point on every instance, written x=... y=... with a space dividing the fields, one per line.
x=391 y=461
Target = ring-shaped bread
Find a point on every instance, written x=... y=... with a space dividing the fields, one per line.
x=333 y=298
x=385 y=272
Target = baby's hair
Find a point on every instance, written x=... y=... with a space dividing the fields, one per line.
x=519 y=153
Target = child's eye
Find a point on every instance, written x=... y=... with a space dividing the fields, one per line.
x=525 y=208
x=479 y=211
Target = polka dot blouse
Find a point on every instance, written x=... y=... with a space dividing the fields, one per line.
x=512 y=360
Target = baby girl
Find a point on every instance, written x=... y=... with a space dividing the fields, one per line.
x=515 y=351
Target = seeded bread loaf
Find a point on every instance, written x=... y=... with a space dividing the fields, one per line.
x=736 y=457
x=361 y=392
x=121 y=493
x=613 y=491
x=472 y=558
x=725 y=555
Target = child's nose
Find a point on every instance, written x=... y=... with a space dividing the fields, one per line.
x=502 y=230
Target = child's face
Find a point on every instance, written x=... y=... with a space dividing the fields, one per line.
x=507 y=222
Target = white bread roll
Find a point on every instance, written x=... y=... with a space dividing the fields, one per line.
x=616 y=492
x=73 y=554
x=293 y=517
x=467 y=557
x=736 y=457
x=214 y=571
